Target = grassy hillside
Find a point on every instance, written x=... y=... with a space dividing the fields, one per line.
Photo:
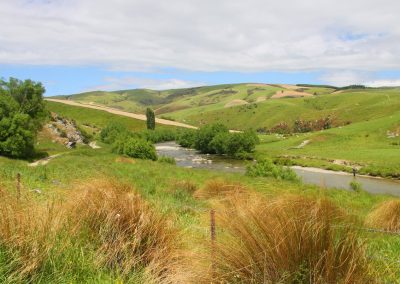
x=185 y=195
x=345 y=107
x=368 y=144
x=104 y=218
x=367 y=117
x=243 y=106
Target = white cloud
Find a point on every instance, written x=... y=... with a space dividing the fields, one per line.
x=207 y=35
x=342 y=78
x=383 y=83
x=112 y=84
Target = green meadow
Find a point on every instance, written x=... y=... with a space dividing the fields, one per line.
x=93 y=216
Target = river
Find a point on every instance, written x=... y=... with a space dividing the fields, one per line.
x=190 y=158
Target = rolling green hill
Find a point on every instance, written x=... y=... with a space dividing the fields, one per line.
x=255 y=106
x=365 y=121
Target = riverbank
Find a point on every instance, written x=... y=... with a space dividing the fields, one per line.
x=190 y=158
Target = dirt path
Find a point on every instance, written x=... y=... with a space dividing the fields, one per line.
x=123 y=113
x=43 y=161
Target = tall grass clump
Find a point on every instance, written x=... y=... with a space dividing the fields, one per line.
x=266 y=168
x=385 y=216
x=356 y=186
x=219 y=188
x=29 y=233
x=128 y=235
x=292 y=239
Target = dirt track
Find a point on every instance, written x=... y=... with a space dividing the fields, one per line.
x=123 y=113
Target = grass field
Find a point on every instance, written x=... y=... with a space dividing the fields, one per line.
x=63 y=228
x=165 y=187
x=366 y=118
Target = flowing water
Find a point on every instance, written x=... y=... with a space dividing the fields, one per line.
x=190 y=158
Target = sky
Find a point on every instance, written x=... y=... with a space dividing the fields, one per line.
x=73 y=46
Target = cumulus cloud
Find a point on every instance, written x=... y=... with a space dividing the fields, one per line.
x=207 y=35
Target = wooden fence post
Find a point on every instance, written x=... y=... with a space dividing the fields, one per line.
x=212 y=235
x=18 y=186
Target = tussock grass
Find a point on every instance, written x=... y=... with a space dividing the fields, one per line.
x=385 y=216
x=128 y=234
x=110 y=224
x=291 y=239
x=186 y=186
x=28 y=234
x=218 y=188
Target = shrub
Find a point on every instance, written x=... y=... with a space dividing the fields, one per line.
x=385 y=216
x=112 y=132
x=216 y=139
x=281 y=128
x=356 y=186
x=291 y=239
x=168 y=160
x=135 y=148
x=266 y=168
x=206 y=134
x=158 y=135
x=244 y=142
x=186 y=138
x=85 y=135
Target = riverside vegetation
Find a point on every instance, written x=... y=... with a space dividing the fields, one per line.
x=96 y=216
x=345 y=127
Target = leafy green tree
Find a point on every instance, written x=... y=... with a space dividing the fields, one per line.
x=206 y=134
x=29 y=96
x=22 y=113
x=135 y=148
x=150 y=119
x=186 y=138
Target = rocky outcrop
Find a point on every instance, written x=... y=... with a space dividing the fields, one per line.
x=65 y=131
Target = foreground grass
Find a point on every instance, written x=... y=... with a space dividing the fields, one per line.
x=185 y=195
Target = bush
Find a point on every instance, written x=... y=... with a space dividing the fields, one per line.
x=135 y=148
x=216 y=139
x=22 y=113
x=158 y=135
x=168 y=160
x=186 y=138
x=205 y=136
x=356 y=186
x=112 y=132
x=266 y=168
x=239 y=143
x=85 y=135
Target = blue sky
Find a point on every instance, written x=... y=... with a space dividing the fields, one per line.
x=82 y=45
x=64 y=80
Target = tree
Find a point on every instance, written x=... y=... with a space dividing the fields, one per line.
x=150 y=119
x=22 y=113
x=205 y=136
